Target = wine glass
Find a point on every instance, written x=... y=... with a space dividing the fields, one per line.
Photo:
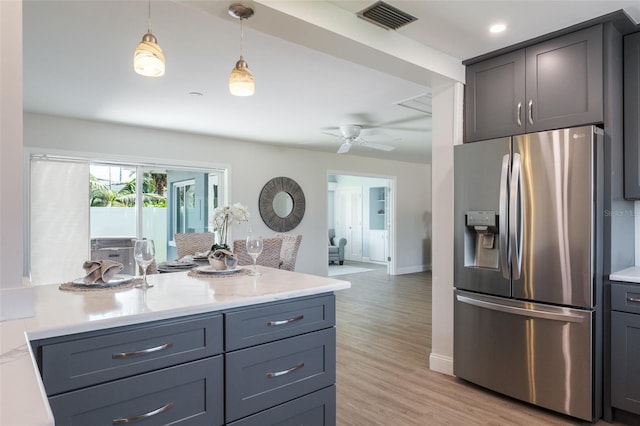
x=144 y=252
x=254 y=248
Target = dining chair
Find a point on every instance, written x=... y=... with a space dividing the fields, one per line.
x=270 y=255
x=289 y=251
x=193 y=242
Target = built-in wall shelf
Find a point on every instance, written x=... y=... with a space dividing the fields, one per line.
x=377 y=208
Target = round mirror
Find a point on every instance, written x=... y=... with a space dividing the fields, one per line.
x=281 y=204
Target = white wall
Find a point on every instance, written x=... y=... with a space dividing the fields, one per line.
x=248 y=174
x=447 y=131
x=15 y=300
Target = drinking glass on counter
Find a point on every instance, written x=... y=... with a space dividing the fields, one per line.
x=254 y=248
x=144 y=252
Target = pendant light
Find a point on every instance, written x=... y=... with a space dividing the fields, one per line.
x=148 y=59
x=241 y=82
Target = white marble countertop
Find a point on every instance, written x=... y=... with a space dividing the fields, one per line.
x=630 y=275
x=23 y=400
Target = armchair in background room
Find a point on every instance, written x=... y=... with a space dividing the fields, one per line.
x=336 y=248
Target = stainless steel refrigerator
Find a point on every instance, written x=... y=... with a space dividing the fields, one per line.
x=527 y=279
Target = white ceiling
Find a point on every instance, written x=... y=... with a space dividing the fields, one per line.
x=311 y=76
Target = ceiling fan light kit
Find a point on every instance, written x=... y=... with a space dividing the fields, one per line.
x=241 y=81
x=148 y=58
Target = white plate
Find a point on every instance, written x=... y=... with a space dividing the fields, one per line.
x=208 y=269
x=117 y=279
x=178 y=264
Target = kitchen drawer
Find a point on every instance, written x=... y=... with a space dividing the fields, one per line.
x=316 y=409
x=625 y=298
x=264 y=376
x=188 y=394
x=93 y=358
x=249 y=327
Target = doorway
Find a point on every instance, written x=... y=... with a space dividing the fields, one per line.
x=361 y=210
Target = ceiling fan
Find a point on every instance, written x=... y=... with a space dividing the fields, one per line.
x=350 y=134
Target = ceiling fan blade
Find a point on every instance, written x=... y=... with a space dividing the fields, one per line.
x=344 y=148
x=379 y=146
x=332 y=134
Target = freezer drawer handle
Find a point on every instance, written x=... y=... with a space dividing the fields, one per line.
x=567 y=317
x=152 y=413
x=142 y=351
x=633 y=299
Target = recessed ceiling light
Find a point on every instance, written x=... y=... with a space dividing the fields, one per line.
x=497 y=28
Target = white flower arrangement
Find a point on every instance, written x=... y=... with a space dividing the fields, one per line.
x=223 y=217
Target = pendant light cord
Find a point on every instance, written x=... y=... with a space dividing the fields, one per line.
x=241 y=36
x=149 y=17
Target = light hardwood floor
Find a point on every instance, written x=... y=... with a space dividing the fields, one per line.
x=383 y=376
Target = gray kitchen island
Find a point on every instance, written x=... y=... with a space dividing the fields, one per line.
x=236 y=350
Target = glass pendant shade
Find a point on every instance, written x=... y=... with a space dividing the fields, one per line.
x=148 y=59
x=241 y=82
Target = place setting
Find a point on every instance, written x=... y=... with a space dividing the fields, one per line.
x=101 y=275
x=106 y=274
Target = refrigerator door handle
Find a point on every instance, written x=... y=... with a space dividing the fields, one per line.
x=534 y=313
x=504 y=242
x=515 y=217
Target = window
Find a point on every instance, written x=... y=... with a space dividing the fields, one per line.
x=85 y=206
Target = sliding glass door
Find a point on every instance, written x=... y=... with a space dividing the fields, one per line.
x=81 y=209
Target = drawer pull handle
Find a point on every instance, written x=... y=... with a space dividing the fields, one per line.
x=142 y=351
x=287 y=371
x=142 y=416
x=287 y=321
x=633 y=299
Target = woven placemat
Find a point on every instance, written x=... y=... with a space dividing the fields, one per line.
x=99 y=287
x=195 y=274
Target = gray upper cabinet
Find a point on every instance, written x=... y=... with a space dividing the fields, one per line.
x=554 y=84
x=494 y=97
x=632 y=116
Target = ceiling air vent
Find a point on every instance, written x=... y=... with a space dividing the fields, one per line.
x=386 y=16
x=420 y=103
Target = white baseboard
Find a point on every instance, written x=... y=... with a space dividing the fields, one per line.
x=441 y=364
x=412 y=269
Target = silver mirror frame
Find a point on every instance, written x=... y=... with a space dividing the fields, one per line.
x=265 y=204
